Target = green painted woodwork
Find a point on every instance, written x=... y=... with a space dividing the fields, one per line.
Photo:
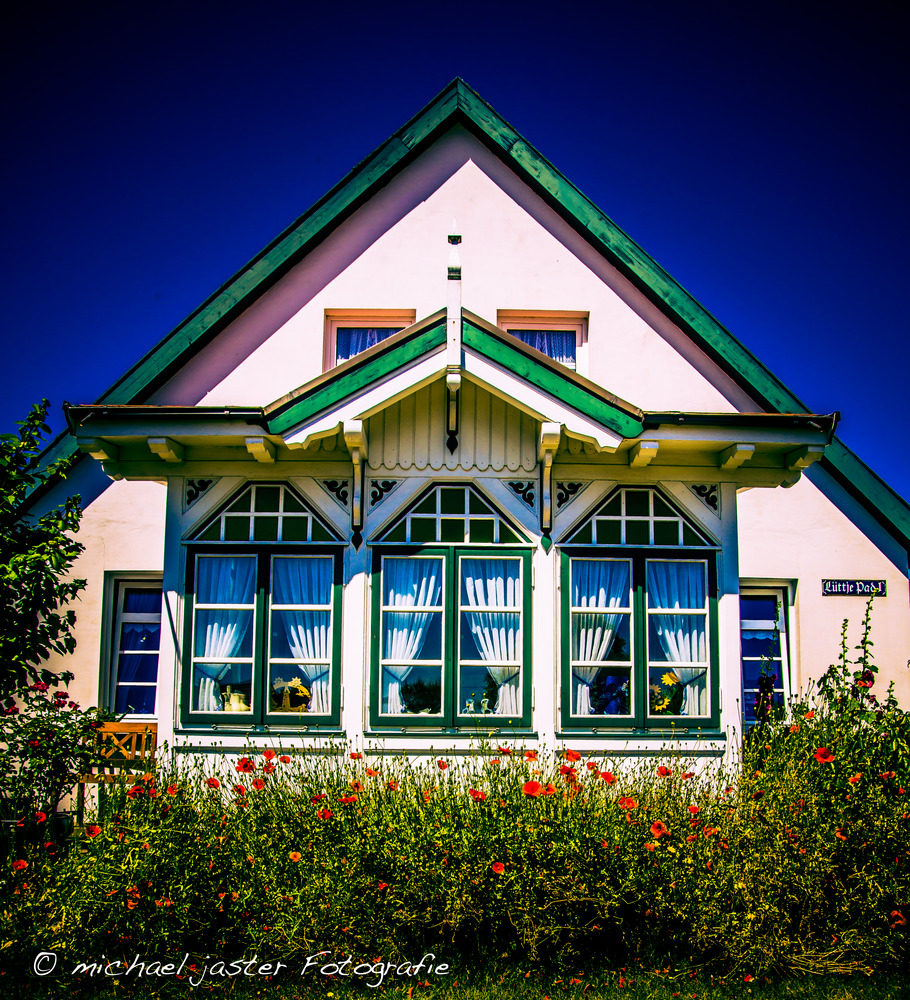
x=638 y=723
x=259 y=714
x=335 y=391
x=556 y=384
x=456 y=105
x=451 y=719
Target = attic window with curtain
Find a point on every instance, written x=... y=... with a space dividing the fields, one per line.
x=561 y=336
x=263 y=622
x=638 y=618
x=451 y=613
x=349 y=332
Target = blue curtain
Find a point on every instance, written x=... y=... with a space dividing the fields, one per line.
x=351 y=340
x=556 y=344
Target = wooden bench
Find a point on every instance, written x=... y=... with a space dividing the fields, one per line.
x=128 y=752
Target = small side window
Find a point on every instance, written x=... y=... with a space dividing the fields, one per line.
x=562 y=336
x=763 y=642
x=135 y=641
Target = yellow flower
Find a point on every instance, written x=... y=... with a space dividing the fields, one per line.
x=669 y=678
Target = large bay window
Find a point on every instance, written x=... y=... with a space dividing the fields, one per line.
x=451 y=617
x=263 y=629
x=638 y=619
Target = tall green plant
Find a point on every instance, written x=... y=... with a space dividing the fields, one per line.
x=36 y=554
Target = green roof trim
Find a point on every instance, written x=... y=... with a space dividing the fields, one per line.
x=346 y=381
x=458 y=104
x=543 y=374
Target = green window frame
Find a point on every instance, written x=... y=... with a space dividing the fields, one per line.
x=638 y=621
x=451 y=618
x=262 y=629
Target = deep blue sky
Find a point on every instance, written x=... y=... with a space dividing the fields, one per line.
x=760 y=155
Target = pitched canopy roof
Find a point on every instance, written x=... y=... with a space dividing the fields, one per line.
x=458 y=104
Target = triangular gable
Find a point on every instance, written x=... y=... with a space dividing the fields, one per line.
x=410 y=359
x=458 y=104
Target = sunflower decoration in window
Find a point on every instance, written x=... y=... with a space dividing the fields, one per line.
x=264 y=579
x=638 y=616
x=451 y=615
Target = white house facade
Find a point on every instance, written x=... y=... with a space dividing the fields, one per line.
x=411 y=483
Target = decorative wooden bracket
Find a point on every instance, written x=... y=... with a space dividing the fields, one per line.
x=734 y=456
x=643 y=453
x=167 y=449
x=802 y=458
x=550 y=435
x=356 y=441
x=261 y=449
x=105 y=453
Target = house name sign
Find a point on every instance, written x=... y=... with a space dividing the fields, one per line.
x=854 y=588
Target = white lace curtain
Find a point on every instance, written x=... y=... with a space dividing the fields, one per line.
x=683 y=637
x=556 y=344
x=309 y=632
x=407 y=583
x=496 y=583
x=601 y=584
x=221 y=580
x=351 y=340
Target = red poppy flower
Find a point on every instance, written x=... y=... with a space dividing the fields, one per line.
x=505 y=751
x=885 y=775
x=163 y=902
x=567 y=770
x=476 y=795
x=627 y=802
x=709 y=831
x=498 y=867
x=213 y=782
x=823 y=755
x=591 y=765
x=245 y=766
x=694 y=809
x=609 y=777
x=426 y=795
x=573 y=755
x=324 y=814
x=295 y=856
x=347 y=799
x=839 y=834
x=691 y=838
x=664 y=771
x=268 y=768
x=532 y=788
x=269 y=754
x=258 y=784
x=285 y=759
x=382 y=885
x=658 y=830
x=550 y=789
x=317 y=798
x=134 y=792
x=604 y=844
x=441 y=764
x=748 y=977
x=356 y=756
x=687 y=775
x=371 y=772
x=392 y=786
x=854 y=779
x=357 y=786
x=171 y=789
x=530 y=755
x=19 y=866
x=795 y=728
x=898 y=919
x=650 y=845
x=810 y=715
x=92 y=831
x=759 y=793
x=495 y=760
x=239 y=790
